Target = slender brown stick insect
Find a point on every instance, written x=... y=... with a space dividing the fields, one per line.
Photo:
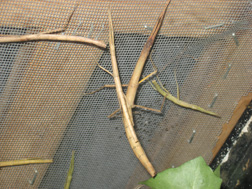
x=127 y=101
x=49 y=36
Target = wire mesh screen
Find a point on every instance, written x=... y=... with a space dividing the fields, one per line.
x=204 y=47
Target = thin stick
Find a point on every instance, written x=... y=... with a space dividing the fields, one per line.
x=104 y=86
x=177 y=85
x=65 y=26
x=154 y=67
x=24 y=162
x=148 y=76
x=51 y=37
x=115 y=112
x=123 y=85
x=148 y=109
x=104 y=69
x=139 y=106
x=127 y=118
x=179 y=102
x=70 y=172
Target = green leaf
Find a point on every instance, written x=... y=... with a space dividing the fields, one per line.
x=217 y=171
x=194 y=174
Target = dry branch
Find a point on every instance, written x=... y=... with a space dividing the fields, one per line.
x=52 y=37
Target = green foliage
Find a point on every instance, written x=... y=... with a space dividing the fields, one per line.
x=194 y=174
x=217 y=171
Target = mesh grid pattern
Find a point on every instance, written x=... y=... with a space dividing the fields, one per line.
x=44 y=112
